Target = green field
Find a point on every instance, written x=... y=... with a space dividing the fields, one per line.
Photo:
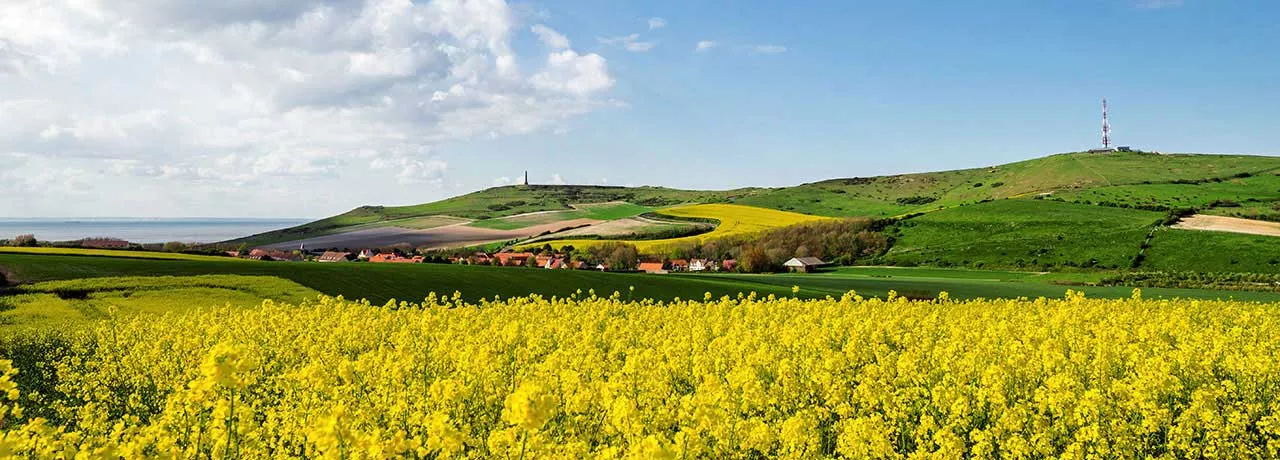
x=1025 y=234
x=113 y=253
x=1203 y=251
x=1262 y=187
x=603 y=211
x=53 y=303
x=380 y=282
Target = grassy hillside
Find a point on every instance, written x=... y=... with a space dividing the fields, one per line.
x=493 y=203
x=895 y=195
x=1023 y=233
x=1179 y=250
x=1255 y=188
x=884 y=196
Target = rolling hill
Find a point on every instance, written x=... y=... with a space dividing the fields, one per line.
x=1056 y=197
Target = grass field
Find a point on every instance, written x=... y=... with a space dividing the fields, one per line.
x=1023 y=233
x=1262 y=187
x=58 y=303
x=380 y=282
x=734 y=220
x=1177 y=250
x=602 y=211
x=113 y=253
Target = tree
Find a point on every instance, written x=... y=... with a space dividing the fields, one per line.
x=25 y=240
x=531 y=262
x=175 y=246
x=754 y=259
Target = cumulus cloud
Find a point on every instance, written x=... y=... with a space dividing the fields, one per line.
x=769 y=49
x=242 y=99
x=657 y=23
x=628 y=42
x=704 y=45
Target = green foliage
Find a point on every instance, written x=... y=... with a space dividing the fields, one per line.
x=909 y=200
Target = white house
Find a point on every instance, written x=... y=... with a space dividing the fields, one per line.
x=698 y=265
x=803 y=264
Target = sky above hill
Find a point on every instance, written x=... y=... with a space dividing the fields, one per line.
x=306 y=108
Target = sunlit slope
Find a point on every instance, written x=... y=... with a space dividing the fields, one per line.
x=881 y=196
x=733 y=220
x=909 y=193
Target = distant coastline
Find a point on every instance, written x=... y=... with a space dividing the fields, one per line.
x=142 y=229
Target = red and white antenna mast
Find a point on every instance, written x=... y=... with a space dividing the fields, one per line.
x=1106 y=126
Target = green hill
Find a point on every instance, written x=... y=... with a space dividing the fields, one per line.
x=1116 y=180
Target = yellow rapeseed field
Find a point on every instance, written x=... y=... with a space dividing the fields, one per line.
x=593 y=377
x=734 y=220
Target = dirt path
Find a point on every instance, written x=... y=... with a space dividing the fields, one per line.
x=1229 y=224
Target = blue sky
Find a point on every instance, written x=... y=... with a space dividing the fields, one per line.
x=312 y=107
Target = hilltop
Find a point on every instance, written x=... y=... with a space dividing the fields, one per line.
x=1079 y=177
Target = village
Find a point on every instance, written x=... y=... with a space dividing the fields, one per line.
x=543 y=260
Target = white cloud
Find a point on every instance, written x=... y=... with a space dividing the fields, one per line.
x=657 y=23
x=769 y=49
x=557 y=180
x=704 y=45
x=568 y=72
x=551 y=38
x=207 y=103
x=628 y=42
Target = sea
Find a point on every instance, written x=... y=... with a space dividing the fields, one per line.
x=141 y=230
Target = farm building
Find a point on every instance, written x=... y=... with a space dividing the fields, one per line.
x=512 y=258
x=651 y=267
x=679 y=265
x=334 y=256
x=803 y=264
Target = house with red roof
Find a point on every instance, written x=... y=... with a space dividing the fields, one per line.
x=651 y=267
